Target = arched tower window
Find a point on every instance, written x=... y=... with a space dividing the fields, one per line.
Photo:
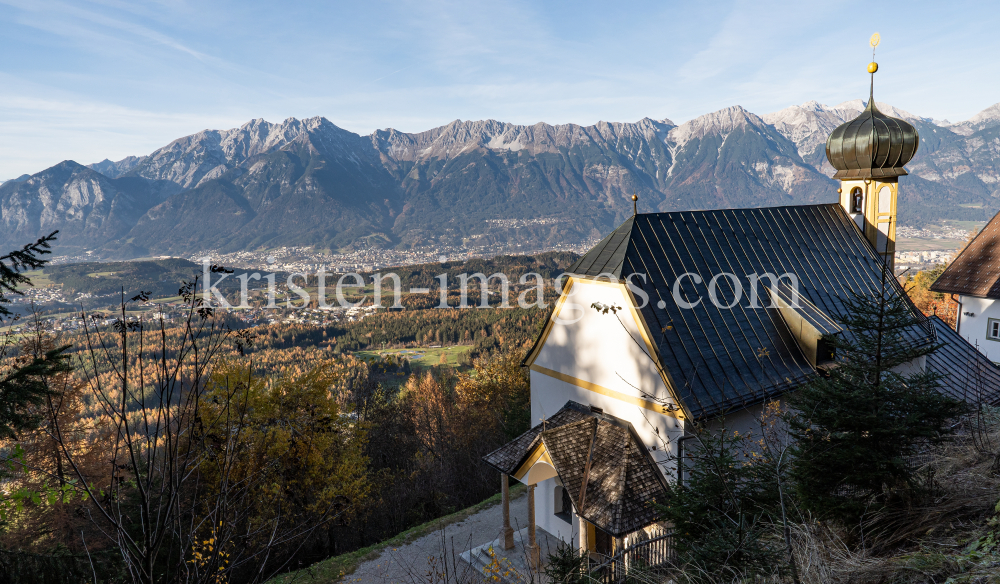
x=857 y=200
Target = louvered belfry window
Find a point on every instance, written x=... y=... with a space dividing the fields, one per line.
x=857 y=201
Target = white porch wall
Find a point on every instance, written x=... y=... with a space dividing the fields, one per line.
x=973 y=328
x=545 y=516
x=548 y=395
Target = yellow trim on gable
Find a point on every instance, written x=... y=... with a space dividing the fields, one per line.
x=643 y=331
x=654 y=353
x=539 y=454
x=598 y=282
x=530 y=360
x=631 y=399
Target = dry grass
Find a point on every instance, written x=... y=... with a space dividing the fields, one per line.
x=942 y=539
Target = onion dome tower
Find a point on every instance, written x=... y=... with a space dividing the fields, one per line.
x=869 y=153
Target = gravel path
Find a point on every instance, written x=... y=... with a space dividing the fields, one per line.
x=413 y=562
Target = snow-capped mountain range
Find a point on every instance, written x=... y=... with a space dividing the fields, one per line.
x=309 y=182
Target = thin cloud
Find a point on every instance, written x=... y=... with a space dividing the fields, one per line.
x=67 y=20
x=137 y=75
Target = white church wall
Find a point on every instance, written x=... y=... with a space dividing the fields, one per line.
x=590 y=358
x=976 y=328
x=918 y=365
x=743 y=421
x=585 y=345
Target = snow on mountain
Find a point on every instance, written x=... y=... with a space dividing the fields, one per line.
x=984 y=119
x=206 y=155
x=193 y=159
x=808 y=125
x=459 y=136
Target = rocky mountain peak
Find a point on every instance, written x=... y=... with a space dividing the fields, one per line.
x=21 y=178
x=193 y=159
x=984 y=119
x=722 y=121
x=854 y=107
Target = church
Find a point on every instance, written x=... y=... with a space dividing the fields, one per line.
x=684 y=318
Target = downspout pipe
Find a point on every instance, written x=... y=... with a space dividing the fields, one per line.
x=958 y=317
x=680 y=458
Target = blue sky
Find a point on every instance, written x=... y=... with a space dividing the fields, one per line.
x=105 y=79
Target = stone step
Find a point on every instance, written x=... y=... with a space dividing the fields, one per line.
x=511 y=565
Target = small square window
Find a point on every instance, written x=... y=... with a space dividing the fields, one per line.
x=993 y=329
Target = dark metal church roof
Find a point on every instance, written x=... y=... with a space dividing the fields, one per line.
x=724 y=359
x=967 y=374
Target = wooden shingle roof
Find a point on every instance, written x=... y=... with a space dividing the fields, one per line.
x=509 y=457
x=605 y=468
x=976 y=271
x=723 y=359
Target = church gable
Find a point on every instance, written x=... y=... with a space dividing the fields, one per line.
x=603 y=353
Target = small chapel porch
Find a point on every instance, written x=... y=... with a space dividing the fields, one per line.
x=597 y=486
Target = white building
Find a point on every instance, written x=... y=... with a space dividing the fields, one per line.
x=973 y=281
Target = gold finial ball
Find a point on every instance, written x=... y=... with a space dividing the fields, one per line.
x=872 y=67
x=635 y=198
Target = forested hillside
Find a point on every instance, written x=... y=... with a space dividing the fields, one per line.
x=158 y=277
x=412 y=454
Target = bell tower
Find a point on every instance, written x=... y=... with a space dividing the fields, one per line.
x=869 y=153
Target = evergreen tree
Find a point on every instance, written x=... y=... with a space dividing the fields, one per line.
x=856 y=425
x=725 y=509
x=24 y=385
x=566 y=565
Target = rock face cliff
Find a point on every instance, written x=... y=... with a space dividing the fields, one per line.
x=86 y=206
x=309 y=182
x=457 y=176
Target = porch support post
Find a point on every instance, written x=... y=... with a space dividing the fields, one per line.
x=508 y=533
x=532 y=544
x=581 y=526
